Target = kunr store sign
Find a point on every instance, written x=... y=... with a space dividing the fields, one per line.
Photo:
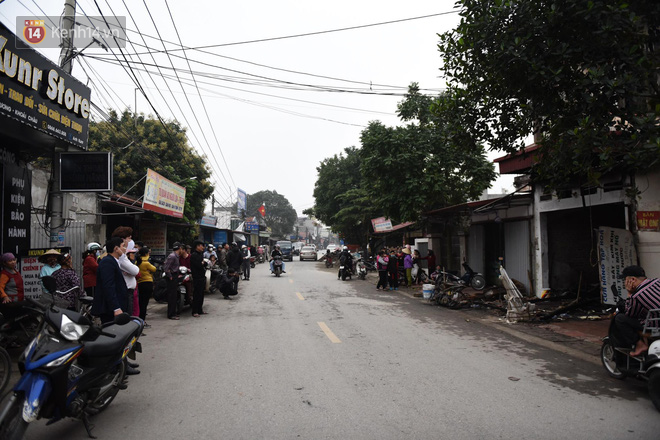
x=38 y=93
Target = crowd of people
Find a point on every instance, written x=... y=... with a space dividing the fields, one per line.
x=391 y=262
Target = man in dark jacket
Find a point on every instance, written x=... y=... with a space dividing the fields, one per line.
x=110 y=297
x=228 y=283
x=198 y=269
x=234 y=260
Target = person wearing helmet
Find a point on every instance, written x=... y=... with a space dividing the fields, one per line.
x=90 y=266
x=345 y=258
x=210 y=250
x=276 y=251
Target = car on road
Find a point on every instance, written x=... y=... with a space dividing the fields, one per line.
x=332 y=247
x=308 y=253
x=287 y=249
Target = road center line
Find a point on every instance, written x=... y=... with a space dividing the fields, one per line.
x=334 y=339
x=300 y=297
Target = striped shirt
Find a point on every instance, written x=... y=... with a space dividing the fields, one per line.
x=645 y=298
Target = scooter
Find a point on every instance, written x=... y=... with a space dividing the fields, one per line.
x=253 y=262
x=72 y=368
x=470 y=278
x=618 y=362
x=277 y=265
x=361 y=269
x=160 y=289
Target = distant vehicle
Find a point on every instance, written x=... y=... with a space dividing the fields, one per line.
x=287 y=249
x=308 y=253
x=297 y=246
x=332 y=247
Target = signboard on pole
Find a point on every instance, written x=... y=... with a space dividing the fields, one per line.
x=617 y=251
x=17 y=201
x=242 y=201
x=381 y=224
x=163 y=196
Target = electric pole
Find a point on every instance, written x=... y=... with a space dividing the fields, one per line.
x=56 y=202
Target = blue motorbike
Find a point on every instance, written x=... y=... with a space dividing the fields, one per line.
x=72 y=368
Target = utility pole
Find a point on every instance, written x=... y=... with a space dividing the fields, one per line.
x=56 y=202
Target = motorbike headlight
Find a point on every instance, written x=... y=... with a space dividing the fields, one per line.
x=70 y=330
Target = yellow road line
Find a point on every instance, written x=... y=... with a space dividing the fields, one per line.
x=300 y=297
x=334 y=339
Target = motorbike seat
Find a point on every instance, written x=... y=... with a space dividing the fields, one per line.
x=106 y=346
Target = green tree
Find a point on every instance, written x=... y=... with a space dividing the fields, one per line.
x=141 y=143
x=423 y=165
x=340 y=200
x=280 y=215
x=583 y=74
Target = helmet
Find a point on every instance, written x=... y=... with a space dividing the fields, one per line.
x=93 y=246
x=345 y=248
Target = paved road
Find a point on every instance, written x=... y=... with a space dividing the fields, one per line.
x=307 y=356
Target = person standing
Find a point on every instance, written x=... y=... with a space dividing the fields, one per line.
x=408 y=265
x=246 y=254
x=11 y=281
x=430 y=261
x=90 y=265
x=235 y=260
x=198 y=269
x=51 y=261
x=127 y=267
x=69 y=287
x=381 y=264
x=145 y=282
x=111 y=296
x=222 y=257
x=171 y=271
x=393 y=270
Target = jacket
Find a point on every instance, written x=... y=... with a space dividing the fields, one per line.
x=407 y=262
x=146 y=272
x=111 y=291
x=234 y=258
x=197 y=266
x=90 y=265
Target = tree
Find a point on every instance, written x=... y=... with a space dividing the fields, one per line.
x=582 y=74
x=340 y=200
x=280 y=215
x=141 y=143
x=423 y=165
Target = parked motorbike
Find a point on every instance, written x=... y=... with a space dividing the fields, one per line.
x=328 y=260
x=216 y=278
x=618 y=362
x=346 y=269
x=470 y=278
x=253 y=261
x=72 y=368
x=160 y=289
x=277 y=265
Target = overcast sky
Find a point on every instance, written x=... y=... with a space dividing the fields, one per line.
x=274 y=109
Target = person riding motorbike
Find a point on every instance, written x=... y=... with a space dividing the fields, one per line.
x=345 y=258
x=276 y=251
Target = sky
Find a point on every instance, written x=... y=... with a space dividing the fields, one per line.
x=265 y=103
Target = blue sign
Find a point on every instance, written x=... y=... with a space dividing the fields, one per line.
x=219 y=237
x=251 y=227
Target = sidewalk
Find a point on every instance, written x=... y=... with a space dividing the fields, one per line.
x=580 y=338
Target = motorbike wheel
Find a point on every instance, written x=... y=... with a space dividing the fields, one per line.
x=343 y=275
x=278 y=271
x=608 y=358
x=654 y=387
x=13 y=427
x=478 y=282
x=110 y=395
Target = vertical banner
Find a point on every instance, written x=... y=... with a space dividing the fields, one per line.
x=241 y=203
x=154 y=236
x=163 y=196
x=16 y=203
x=617 y=250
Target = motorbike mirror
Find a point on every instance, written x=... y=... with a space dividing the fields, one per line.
x=122 y=318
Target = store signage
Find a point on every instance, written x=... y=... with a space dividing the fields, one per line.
x=617 y=250
x=648 y=220
x=86 y=171
x=16 y=187
x=209 y=220
x=39 y=94
x=30 y=268
x=163 y=196
x=154 y=236
x=251 y=227
x=381 y=224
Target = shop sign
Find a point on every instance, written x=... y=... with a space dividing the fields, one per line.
x=251 y=227
x=154 y=236
x=16 y=187
x=616 y=251
x=163 y=196
x=209 y=220
x=41 y=95
x=381 y=224
x=648 y=220
x=30 y=268
x=219 y=237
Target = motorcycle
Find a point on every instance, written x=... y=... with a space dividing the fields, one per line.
x=253 y=262
x=277 y=265
x=346 y=269
x=361 y=269
x=328 y=260
x=72 y=368
x=618 y=362
x=260 y=258
x=216 y=278
x=471 y=278
x=160 y=289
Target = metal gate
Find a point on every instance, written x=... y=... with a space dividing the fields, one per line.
x=517 y=245
x=74 y=237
